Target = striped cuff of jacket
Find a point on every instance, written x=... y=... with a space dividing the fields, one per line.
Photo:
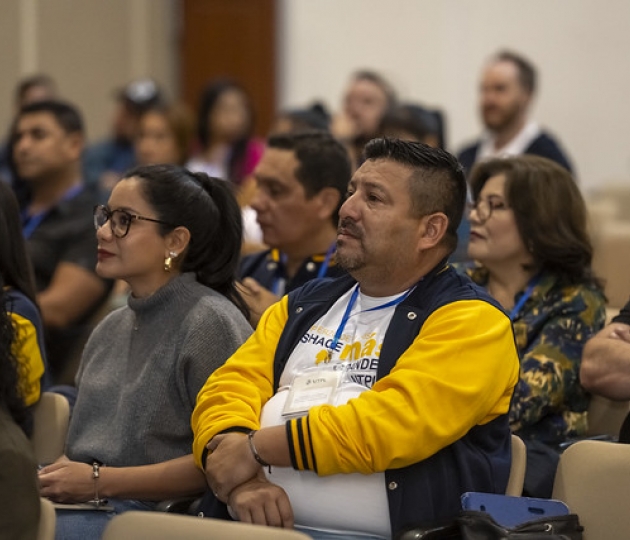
x=300 y=444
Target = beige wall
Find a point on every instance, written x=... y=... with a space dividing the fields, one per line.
x=433 y=50
x=90 y=47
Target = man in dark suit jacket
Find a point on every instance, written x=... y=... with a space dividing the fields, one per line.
x=507 y=89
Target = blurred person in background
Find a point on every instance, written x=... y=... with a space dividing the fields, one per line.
x=19 y=490
x=313 y=117
x=105 y=162
x=507 y=89
x=47 y=142
x=368 y=98
x=28 y=90
x=228 y=148
x=38 y=87
x=20 y=300
x=165 y=135
x=225 y=132
x=412 y=122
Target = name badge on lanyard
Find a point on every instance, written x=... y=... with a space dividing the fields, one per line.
x=316 y=386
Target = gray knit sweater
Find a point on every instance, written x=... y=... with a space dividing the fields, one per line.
x=142 y=369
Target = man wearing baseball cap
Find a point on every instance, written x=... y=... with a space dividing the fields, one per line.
x=105 y=161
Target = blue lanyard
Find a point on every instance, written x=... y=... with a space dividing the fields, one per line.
x=524 y=297
x=282 y=261
x=349 y=307
x=324 y=267
x=279 y=278
x=30 y=223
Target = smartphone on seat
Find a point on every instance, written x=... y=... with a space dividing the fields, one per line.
x=512 y=511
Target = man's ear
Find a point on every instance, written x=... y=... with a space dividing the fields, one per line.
x=177 y=240
x=432 y=230
x=328 y=199
x=74 y=145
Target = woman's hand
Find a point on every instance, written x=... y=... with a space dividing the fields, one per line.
x=67 y=481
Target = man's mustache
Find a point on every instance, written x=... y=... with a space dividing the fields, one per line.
x=347 y=226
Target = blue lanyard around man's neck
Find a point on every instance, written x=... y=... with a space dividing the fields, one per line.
x=324 y=267
x=30 y=223
x=351 y=302
x=282 y=262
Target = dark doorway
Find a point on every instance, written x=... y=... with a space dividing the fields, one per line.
x=233 y=38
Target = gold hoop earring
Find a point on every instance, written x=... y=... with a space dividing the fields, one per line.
x=168 y=262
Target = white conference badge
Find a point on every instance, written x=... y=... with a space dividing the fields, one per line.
x=315 y=386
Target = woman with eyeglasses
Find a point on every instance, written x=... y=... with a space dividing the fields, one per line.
x=532 y=252
x=174 y=237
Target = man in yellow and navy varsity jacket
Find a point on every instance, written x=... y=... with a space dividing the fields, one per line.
x=369 y=403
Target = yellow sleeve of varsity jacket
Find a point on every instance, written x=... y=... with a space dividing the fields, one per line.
x=26 y=350
x=236 y=392
x=459 y=372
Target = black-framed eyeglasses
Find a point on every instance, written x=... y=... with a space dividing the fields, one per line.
x=119 y=220
x=485 y=207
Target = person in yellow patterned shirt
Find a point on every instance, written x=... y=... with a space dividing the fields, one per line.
x=15 y=269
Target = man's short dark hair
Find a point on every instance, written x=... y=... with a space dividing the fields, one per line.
x=67 y=115
x=437 y=182
x=526 y=70
x=323 y=161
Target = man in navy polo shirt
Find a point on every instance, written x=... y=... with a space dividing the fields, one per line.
x=301 y=180
x=47 y=142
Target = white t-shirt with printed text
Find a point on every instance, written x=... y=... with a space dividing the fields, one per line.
x=341 y=502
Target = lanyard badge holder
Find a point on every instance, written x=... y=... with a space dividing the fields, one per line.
x=315 y=386
x=319 y=385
